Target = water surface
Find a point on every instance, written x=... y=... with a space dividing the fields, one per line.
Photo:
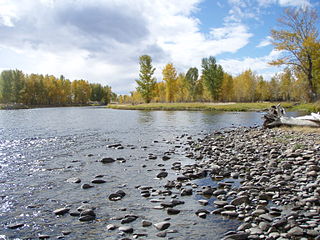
x=41 y=148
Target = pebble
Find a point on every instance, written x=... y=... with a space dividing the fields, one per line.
x=107 y=160
x=15 y=225
x=126 y=229
x=61 y=211
x=74 y=180
x=86 y=186
x=146 y=223
x=162 y=225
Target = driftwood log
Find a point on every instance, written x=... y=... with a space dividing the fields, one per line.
x=276 y=116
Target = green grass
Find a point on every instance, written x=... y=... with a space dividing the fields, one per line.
x=307 y=107
x=241 y=107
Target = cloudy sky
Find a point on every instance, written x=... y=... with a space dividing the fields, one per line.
x=101 y=40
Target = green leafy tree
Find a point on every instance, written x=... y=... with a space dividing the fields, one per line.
x=191 y=82
x=146 y=82
x=213 y=76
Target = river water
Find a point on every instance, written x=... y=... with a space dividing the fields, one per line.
x=41 y=148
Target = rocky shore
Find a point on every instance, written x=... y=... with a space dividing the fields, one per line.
x=267 y=179
x=279 y=194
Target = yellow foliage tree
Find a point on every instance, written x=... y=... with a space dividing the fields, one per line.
x=170 y=77
x=298 y=41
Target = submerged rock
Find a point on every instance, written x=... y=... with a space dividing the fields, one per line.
x=107 y=160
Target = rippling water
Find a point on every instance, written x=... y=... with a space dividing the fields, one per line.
x=41 y=148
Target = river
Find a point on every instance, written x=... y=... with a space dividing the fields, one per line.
x=41 y=148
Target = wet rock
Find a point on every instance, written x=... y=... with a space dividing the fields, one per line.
x=98 y=181
x=128 y=219
x=162 y=225
x=186 y=192
x=15 y=225
x=172 y=211
x=203 y=202
x=61 y=211
x=86 y=218
x=146 y=223
x=165 y=158
x=74 y=180
x=43 y=236
x=87 y=212
x=121 y=193
x=107 y=160
x=161 y=234
x=111 y=227
x=162 y=174
x=74 y=214
x=117 y=196
x=126 y=229
x=86 y=186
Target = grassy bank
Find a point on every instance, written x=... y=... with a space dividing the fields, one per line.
x=258 y=106
x=199 y=106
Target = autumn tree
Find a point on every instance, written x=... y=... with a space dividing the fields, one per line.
x=170 y=77
x=191 y=82
x=146 y=82
x=160 y=92
x=297 y=39
x=181 y=94
x=213 y=76
x=286 y=84
x=227 y=90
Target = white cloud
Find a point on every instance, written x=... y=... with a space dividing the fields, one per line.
x=101 y=41
x=285 y=3
x=258 y=64
x=265 y=42
x=294 y=3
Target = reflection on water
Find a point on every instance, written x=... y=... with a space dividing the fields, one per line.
x=41 y=148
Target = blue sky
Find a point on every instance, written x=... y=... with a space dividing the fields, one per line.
x=101 y=40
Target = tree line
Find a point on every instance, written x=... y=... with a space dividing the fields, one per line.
x=298 y=41
x=37 y=89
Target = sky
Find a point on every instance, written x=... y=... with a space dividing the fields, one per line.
x=101 y=40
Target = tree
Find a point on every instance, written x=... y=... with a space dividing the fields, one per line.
x=170 y=77
x=227 y=91
x=286 y=80
x=146 y=83
x=191 y=82
x=181 y=90
x=298 y=40
x=6 y=86
x=213 y=76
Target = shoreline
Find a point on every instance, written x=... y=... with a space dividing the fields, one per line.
x=279 y=194
x=239 y=107
x=22 y=106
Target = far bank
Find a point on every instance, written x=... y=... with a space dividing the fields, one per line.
x=232 y=106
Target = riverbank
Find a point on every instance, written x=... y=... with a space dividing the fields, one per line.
x=239 y=107
x=17 y=106
x=279 y=195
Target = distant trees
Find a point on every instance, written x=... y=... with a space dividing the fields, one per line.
x=146 y=82
x=216 y=85
x=36 y=89
x=298 y=39
x=213 y=76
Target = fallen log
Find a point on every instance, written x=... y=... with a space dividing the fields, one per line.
x=275 y=117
